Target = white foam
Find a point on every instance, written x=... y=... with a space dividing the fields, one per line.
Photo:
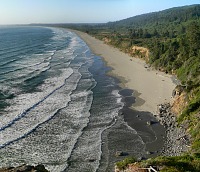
x=39 y=114
x=25 y=101
x=76 y=114
x=74 y=108
x=118 y=96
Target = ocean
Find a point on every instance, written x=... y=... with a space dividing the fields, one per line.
x=58 y=106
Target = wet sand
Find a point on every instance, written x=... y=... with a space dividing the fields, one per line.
x=142 y=90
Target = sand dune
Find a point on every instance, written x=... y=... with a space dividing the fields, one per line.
x=151 y=87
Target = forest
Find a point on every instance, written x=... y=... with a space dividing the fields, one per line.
x=172 y=37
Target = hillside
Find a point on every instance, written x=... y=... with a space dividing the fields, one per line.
x=169 y=41
x=171 y=38
x=173 y=15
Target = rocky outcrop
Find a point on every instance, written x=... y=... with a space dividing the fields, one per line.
x=25 y=168
x=106 y=40
x=179 y=100
x=140 y=52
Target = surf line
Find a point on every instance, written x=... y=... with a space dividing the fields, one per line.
x=32 y=107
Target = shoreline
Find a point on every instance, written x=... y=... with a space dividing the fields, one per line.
x=150 y=87
x=143 y=90
x=140 y=102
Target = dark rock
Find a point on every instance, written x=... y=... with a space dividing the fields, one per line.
x=28 y=168
x=92 y=160
x=141 y=158
x=120 y=153
x=25 y=168
x=148 y=153
x=40 y=168
x=149 y=122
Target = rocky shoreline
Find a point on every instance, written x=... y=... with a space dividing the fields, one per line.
x=178 y=140
x=25 y=168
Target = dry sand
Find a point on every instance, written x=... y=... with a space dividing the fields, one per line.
x=150 y=87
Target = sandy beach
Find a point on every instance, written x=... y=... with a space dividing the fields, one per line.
x=150 y=87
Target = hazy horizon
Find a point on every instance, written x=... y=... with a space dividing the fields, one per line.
x=79 y=11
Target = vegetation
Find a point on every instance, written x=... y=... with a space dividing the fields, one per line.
x=173 y=38
x=123 y=164
x=182 y=163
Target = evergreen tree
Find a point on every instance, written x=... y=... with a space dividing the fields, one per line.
x=193 y=34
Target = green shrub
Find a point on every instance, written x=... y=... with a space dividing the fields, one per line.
x=169 y=169
x=121 y=165
x=184 y=163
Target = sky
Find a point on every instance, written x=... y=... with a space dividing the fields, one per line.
x=80 y=11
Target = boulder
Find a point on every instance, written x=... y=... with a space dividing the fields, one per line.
x=120 y=153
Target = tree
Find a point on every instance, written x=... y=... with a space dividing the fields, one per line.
x=193 y=34
x=146 y=34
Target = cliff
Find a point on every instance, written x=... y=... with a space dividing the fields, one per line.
x=139 y=52
x=180 y=100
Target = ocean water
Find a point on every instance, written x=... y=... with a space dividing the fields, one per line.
x=57 y=105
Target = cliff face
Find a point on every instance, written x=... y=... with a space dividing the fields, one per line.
x=140 y=52
x=180 y=100
x=179 y=103
x=134 y=51
x=106 y=40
